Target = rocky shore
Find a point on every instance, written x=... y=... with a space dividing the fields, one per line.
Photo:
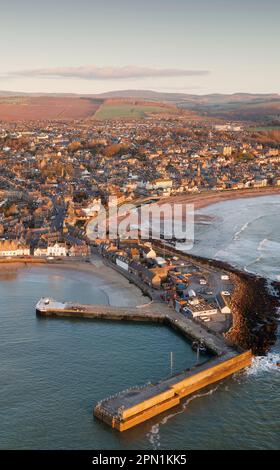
x=254 y=308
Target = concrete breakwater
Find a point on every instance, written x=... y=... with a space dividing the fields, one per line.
x=153 y=312
x=139 y=404
x=52 y=308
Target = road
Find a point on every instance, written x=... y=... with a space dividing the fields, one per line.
x=59 y=211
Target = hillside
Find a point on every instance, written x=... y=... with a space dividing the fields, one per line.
x=134 y=109
x=262 y=108
x=238 y=106
x=26 y=108
x=137 y=104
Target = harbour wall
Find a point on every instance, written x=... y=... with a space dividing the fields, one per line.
x=153 y=312
x=134 y=406
x=167 y=394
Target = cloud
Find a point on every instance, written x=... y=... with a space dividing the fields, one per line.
x=92 y=72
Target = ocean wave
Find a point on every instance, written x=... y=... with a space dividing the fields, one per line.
x=236 y=235
x=242 y=229
x=262 y=364
x=269 y=245
x=255 y=261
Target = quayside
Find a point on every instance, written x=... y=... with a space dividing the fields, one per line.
x=134 y=406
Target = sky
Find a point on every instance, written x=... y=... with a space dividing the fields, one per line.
x=94 y=46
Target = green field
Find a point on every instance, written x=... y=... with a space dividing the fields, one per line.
x=127 y=110
x=264 y=128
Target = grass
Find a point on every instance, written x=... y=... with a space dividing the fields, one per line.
x=264 y=128
x=127 y=110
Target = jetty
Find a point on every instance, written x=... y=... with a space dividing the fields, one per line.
x=155 y=312
x=140 y=403
x=136 y=405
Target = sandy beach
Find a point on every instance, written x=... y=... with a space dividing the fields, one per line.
x=201 y=200
x=116 y=288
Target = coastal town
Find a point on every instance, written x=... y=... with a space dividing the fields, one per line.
x=139 y=231
x=54 y=176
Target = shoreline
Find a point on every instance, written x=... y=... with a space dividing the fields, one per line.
x=201 y=200
x=117 y=289
x=254 y=319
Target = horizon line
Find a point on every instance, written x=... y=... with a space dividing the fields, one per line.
x=127 y=90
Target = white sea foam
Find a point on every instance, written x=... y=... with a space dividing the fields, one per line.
x=262 y=244
x=272 y=290
x=262 y=364
x=242 y=229
x=154 y=434
x=269 y=245
x=255 y=261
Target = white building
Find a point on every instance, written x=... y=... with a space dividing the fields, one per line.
x=199 y=308
x=156 y=184
x=58 y=249
x=13 y=248
x=40 y=252
x=122 y=262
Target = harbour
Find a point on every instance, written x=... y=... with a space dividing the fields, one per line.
x=154 y=312
x=60 y=369
x=134 y=406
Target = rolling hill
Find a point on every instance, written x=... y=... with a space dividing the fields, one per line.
x=26 y=108
x=137 y=104
x=31 y=108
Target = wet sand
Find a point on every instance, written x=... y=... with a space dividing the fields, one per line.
x=117 y=289
x=201 y=200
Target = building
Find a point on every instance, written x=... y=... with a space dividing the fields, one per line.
x=13 y=248
x=40 y=251
x=58 y=249
x=224 y=303
x=82 y=250
x=122 y=262
x=227 y=151
x=199 y=308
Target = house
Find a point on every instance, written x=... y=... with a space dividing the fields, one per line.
x=223 y=302
x=122 y=262
x=58 y=249
x=148 y=251
x=40 y=251
x=136 y=268
x=159 y=276
x=79 y=250
x=13 y=248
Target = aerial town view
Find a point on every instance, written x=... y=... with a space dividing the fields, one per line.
x=139 y=228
